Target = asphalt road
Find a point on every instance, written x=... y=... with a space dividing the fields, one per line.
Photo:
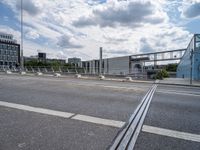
x=172 y=108
x=66 y=113
x=21 y=129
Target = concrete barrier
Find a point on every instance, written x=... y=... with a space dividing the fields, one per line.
x=128 y=78
x=101 y=77
x=39 y=73
x=8 y=72
x=78 y=75
x=57 y=74
x=22 y=72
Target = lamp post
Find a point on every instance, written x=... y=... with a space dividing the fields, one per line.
x=191 y=59
x=21 y=52
x=100 y=61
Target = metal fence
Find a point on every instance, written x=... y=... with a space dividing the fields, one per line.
x=115 y=72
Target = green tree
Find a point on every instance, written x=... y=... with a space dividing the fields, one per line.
x=162 y=74
x=171 y=67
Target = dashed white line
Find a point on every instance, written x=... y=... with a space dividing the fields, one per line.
x=97 y=120
x=171 y=133
x=37 y=109
x=85 y=118
x=178 y=93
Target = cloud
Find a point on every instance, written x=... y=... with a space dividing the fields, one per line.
x=130 y=26
x=95 y=2
x=30 y=6
x=145 y=46
x=123 y=13
x=32 y=35
x=65 y=41
x=117 y=51
x=192 y=11
x=114 y=40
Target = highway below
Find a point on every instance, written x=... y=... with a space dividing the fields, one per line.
x=67 y=113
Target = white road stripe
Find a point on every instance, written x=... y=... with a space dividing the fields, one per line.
x=97 y=120
x=110 y=87
x=37 y=109
x=178 y=93
x=90 y=119
x=171 y=133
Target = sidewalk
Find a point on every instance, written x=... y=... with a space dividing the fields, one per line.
x=180 y=81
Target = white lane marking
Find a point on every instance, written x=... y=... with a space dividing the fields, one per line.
x=97 y=120
x=171 y=133
x=178 y=93
x=85 y=118
x=37 y=109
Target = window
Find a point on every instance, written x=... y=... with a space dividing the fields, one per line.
x=9 y=47
x=16 y=47
x=4 y=46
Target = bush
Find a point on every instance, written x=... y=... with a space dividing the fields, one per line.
x=162 y=74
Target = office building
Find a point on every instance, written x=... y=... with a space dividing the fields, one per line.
x=9 y=51
x=42 y=57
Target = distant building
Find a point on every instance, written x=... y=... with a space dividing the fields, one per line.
x=116 y=65
x=191 y=58
x=42 y=57
x=9 y=50
x=75 y=61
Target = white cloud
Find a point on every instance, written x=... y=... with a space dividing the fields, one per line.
x=32 y=35
x=123 y=13
x=190 y=9
x=129 y=27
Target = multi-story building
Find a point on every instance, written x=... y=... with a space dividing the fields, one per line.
x=9 y=51
x=42 y=57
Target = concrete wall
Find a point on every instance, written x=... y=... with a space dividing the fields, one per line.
x=118 y=65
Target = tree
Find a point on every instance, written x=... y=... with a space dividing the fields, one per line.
x=171 y=67
x=162 y=74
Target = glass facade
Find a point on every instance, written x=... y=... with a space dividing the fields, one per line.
x=191 y=58
x=9 y=54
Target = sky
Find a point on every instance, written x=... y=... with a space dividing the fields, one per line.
x=77 y=28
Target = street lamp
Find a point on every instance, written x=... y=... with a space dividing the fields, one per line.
x=22 y=57
x=191 y=59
